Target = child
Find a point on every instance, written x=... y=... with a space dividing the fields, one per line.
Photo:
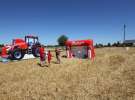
x=42 y=55
x=49 y=56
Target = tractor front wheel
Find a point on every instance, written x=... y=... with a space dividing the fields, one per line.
x=35 y=52
x=17 y=54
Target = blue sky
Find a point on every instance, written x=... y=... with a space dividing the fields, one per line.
x=100 y=20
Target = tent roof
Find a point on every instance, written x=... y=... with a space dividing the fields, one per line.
x=79 y=43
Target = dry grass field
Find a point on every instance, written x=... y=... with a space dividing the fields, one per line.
x=111 y=76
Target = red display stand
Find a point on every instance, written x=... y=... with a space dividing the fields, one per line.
x=80 y=48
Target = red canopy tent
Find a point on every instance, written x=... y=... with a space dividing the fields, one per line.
x=85 y=45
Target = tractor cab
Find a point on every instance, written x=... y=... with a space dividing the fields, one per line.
x=32 y=40
x=33 y=44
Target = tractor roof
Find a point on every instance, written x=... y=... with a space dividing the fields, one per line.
x=31 y=36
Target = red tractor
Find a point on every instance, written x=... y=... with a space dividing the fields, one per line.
x=20 y=47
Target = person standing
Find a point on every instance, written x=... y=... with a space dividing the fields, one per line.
x=89 y=52
x=42 y=55
x=49 y=57
x=79 y=54
x=4 y=55
x=57 y=52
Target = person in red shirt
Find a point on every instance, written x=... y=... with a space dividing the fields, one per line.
x=42 y=55
x=49 y=56
x=4 y=51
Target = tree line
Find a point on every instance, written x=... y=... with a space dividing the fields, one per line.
x=61 y=42
x=115 y=44
x=63 y=38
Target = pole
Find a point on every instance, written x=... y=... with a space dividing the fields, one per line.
x=124 y=33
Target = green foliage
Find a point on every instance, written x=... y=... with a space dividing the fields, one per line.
x=115 y=44
x=62 y=39
x=1 y=45
x=109 y=45
x=99 y=45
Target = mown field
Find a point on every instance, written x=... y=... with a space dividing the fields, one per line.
x=111 y=76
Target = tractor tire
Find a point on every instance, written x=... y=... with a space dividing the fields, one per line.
x=17 y=54
x=35 y=52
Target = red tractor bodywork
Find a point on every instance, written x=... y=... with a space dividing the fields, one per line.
x=21 y=43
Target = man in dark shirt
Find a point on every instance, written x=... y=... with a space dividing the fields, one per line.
x=57 y=52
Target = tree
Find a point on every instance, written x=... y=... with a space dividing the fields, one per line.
x=114 y=44
x=62 y=39
x=109 y=45
x=96 y=46
x=1 y=45
x=118 y=44
x=99 y=45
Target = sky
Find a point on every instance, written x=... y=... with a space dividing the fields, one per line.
x=100 y=20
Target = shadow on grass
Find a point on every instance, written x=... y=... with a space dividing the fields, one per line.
x=55 y=62
x=41 y=65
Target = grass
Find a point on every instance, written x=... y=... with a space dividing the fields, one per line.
x=111 y=76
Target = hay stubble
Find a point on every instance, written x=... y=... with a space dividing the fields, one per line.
x=110 y=77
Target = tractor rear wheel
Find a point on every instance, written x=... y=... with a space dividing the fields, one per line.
x=35 y=52
x=17 y=54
